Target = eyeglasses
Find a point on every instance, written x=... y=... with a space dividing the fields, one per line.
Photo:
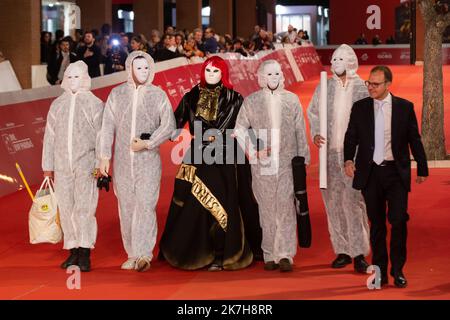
x=373 y=84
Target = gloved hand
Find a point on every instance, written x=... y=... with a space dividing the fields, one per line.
x=104 y=167
x=138 y=145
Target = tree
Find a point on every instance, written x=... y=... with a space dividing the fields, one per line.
x=437 y=19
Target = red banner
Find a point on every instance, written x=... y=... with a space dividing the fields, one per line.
x=380 y=55
x=350 y=18
x=308 y=61
x=372 y=56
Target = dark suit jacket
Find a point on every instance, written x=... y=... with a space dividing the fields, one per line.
x=54 y=64
x=360 y=137
x=93 y=62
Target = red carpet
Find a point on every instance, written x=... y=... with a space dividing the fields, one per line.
x=32 y=272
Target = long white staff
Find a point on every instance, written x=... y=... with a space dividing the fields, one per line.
x=323 y=130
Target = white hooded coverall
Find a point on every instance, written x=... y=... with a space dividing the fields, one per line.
x=345 y=207
x=279 y=113
x=71 y=150
x=129 y=112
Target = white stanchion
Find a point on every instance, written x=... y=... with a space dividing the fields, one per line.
x=323 y=119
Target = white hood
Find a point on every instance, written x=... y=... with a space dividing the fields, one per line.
x=85 y=84
x=129 y=66
x=351 y=60
x=263 y=78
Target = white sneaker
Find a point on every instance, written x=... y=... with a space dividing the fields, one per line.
x=130 y=264
x=143 y=263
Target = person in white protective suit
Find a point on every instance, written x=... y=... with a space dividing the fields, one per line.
x=71 y=155
x=346 y=211
x=135 y=108
x=276 y=117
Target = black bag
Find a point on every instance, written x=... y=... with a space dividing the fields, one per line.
x=103 y=182
x=303 y=220
x=145 y=136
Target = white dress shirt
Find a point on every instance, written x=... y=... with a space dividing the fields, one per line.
x=387 y=111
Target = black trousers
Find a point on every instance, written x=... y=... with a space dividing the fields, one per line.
x=385 y=188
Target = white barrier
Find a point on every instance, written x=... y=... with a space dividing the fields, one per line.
x=8 y=79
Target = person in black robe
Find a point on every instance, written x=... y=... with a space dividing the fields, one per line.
x=213 y=209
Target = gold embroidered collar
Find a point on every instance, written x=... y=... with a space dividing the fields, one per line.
x=208 y=103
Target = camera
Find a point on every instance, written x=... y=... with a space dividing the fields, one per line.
x=145 y=136
x=103 y=182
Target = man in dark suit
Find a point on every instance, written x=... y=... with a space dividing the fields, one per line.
x=90 y=54
x=59 y=61
x=383 y=128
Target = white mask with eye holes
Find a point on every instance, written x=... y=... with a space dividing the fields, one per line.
x=141 y=70
x=273 y=75
x=74 y=79
x=213 y=75
x=338 y=64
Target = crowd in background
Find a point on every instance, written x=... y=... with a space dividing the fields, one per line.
x=376 y=40
x=97 y=48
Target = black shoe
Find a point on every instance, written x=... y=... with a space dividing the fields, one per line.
x=360 y=264
x=285 y=265
x=271 y=265
x=400 y=280
x=72 y=260
x=341 y=261
x=84 y=260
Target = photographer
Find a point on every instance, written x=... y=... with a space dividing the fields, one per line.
x=115 y=56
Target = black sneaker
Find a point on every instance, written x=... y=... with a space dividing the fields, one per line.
x=360 y=264
x=271 y=265
x=285 y=265
x=72 y=260
x=84 y=260
x=341 y=261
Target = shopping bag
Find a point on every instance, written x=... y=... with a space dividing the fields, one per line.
x=43 y=219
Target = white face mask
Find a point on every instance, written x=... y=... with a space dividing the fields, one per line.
x=213 y=75
x=141 y=70
x=273 y=75
x=74 y=79
x=338 y=64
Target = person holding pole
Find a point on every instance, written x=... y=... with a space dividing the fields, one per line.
x=346 y=212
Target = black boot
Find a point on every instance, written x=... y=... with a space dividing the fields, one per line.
x=360 y=264
x=285 y=265
x=84 y=260
x=271 y=265
x=341 y=261
x=72 y=260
